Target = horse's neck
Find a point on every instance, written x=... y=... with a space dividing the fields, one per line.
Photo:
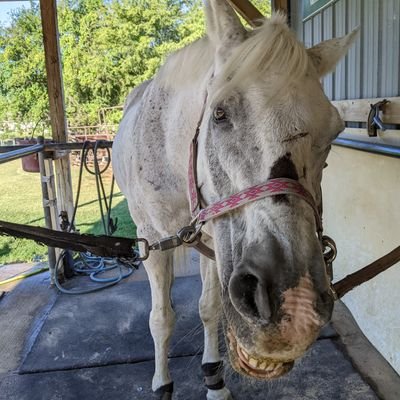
x=181 y=111
x=184 y=77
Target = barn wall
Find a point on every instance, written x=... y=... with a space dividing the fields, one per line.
x=372 y=67
x=362 y=190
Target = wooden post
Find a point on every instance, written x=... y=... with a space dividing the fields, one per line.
x=55 y=91
x=248 y=11
x=282 y=5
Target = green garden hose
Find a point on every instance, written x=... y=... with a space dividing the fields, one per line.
x=23 y=276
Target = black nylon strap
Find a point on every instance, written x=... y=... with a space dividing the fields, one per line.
x=165 y=392
x=213 y=375
x=104 y=246
x=210 y=369
x=214 y=386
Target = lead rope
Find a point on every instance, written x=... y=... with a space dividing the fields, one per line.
x=87 y=263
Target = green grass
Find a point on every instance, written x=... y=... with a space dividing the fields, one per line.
x=20 y=202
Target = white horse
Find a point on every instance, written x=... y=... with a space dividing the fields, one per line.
x=263 y=115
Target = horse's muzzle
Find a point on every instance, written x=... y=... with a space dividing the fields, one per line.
x=274 y=315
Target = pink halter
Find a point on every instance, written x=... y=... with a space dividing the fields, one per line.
x=271 y=187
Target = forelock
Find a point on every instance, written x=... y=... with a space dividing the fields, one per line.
x=271 y=53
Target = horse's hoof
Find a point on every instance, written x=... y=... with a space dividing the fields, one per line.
x=164 y=392
x=221 y=394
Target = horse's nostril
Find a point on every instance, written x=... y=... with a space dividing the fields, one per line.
x=249 y=297
x=325 y=305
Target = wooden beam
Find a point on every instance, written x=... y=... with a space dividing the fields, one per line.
x=48 y=9
x=248 y=11
x=281 y=5
x=358 y=110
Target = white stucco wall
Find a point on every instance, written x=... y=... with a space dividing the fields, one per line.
x=362 y=213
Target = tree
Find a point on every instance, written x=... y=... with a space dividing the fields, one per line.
x=108 y=47
x=23 y=93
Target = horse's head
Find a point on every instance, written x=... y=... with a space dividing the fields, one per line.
x=267 y=117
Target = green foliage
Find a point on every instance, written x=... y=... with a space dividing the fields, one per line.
x=23 y=93
x=264 y=6
x=108 y=47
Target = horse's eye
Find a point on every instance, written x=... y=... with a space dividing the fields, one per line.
x=219 y=115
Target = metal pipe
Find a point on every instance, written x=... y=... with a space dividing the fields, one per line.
x=376 y=148
x=15 y=154
x=60 y=146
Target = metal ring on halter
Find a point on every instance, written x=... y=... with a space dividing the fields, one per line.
x=329 y=249
x=190 y=235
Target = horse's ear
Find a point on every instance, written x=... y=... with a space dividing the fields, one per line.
x=326 y=55
x=223 y=25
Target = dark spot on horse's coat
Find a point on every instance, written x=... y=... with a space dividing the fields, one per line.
x=140 y=168
x=283 y=168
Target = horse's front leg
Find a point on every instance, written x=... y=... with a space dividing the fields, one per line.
x=210 y=309
x=159 y=269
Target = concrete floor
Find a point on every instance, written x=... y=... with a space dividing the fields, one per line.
x=98 y=346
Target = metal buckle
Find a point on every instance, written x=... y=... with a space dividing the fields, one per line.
x=143 y=249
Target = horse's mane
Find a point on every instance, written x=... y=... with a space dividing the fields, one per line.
x=271 y=49
x=187 y=65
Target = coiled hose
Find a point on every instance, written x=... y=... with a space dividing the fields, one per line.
x=86 y=263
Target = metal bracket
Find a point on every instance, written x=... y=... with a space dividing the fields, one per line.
x=49 y=203
x=374 y=121
x=47 y=178
x=57 y=154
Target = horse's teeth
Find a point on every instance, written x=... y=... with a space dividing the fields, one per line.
x=253 y=362
x=246 y=355
x=263 y=365
x=278 y=365
x=270 y=367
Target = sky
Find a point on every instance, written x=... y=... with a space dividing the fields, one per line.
x=7 y=6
